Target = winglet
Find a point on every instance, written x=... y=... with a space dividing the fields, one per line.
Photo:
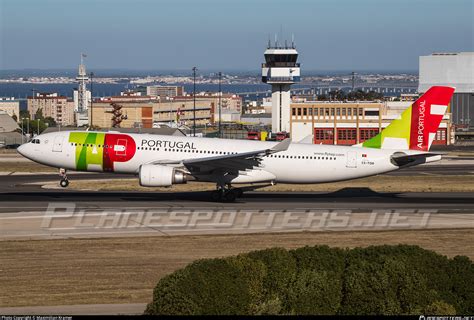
x=282 y=146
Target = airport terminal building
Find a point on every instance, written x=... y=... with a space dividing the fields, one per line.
x=456 y=70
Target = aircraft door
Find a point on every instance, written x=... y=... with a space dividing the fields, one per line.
x=58 y=143
x=351 y=159
x=121 y=147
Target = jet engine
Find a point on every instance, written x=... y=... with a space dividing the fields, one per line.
x=151 y=175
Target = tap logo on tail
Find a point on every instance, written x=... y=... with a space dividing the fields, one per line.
x=417 y=126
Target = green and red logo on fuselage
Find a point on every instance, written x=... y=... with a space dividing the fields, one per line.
x=101 y=150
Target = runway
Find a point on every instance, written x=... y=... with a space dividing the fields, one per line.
x=25 y=208
x=57 y=214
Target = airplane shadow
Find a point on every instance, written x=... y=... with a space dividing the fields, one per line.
x=346 y=195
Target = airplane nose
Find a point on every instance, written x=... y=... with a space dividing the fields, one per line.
x=22 y=150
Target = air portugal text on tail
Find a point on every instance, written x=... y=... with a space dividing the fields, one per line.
x=417 y=126
x=162 y=161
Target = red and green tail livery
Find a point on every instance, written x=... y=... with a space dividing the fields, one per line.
x=417 y=126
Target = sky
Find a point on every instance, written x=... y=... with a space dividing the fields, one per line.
x=329 y=35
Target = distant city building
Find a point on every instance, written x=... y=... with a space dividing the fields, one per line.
x=408 y=96
x=164 y=91
x=180 y=109
x=132 y=93
x=10 y=106
x=60 y=108
x=455 y=70
x=227 y=116
x=261 y=119
x=128 y=111
x=349 y=123
x=229 y=101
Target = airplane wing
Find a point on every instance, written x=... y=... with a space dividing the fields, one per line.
x=232 y=162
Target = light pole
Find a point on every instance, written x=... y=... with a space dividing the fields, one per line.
x=34 y=91
x=22 y=131
x=194 y=101
x=38 y=126
x=353 y=80
x=28 y=126
x=92 y=97
x=220 y=105
x=171 y=110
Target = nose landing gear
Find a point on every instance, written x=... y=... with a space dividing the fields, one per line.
x=64 y=182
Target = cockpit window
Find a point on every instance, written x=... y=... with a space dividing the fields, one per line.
x=36 y=141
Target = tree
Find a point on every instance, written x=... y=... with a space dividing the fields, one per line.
x=24 y=114
x=50 y=121
x=440 y=308
x=281 y=270
x=315 y=292
x=462 y=277
x=377 y=280
x=39 y=114
x=170 y=296
x=213 y=286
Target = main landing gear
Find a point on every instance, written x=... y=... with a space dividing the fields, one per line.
x=64 y=182
x=226 y=193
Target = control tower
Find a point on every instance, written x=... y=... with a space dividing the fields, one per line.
x=281 y=71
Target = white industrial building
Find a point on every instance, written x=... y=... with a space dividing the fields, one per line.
x=11 y=106
x=455 y=70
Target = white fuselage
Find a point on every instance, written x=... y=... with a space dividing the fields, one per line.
x=301 y=163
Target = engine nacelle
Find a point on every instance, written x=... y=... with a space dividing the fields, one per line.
x=151 y=175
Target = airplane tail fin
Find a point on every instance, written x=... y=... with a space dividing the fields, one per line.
x=417 y=126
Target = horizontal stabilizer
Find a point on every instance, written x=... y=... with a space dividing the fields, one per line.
x=404 y=160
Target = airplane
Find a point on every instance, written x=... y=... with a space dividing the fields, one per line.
x=162 y=161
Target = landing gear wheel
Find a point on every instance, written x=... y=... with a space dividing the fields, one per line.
x=216 y=195
x=230 y=196
x=64 y=183
x=239 y=192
